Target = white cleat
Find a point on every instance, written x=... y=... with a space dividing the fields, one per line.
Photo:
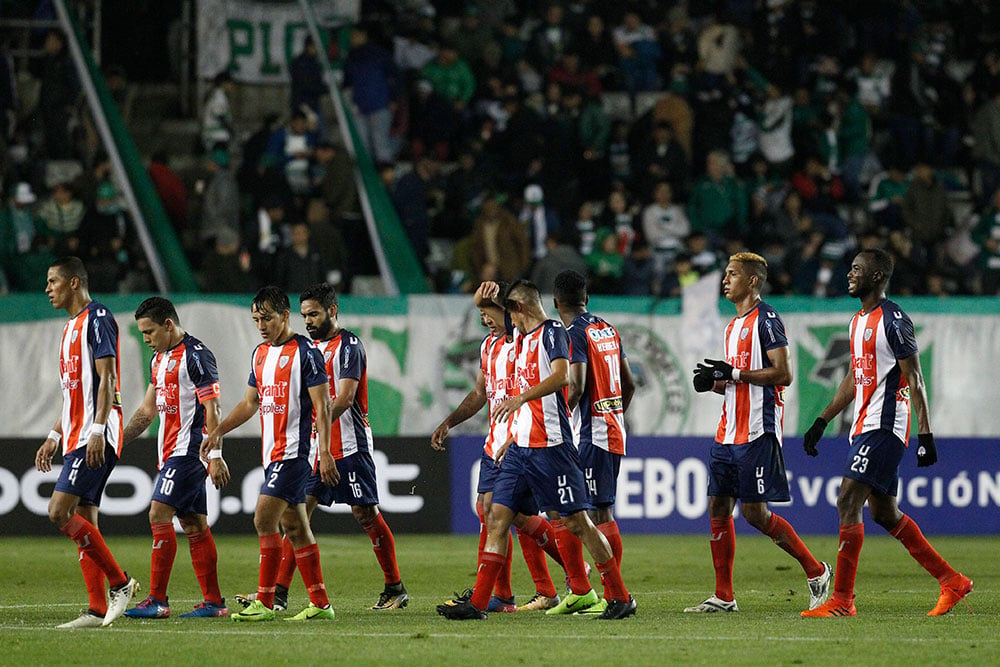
x=118 y=599
x=819 y=587
x=88 y=619
x=711 y=606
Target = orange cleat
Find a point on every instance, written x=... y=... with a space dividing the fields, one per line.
x=830 y=608
x=952 y=591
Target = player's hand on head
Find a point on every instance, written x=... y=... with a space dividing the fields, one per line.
x=926 y=450
x=812 y=436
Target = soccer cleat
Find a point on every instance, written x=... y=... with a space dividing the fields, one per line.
x=208 y=609
x=540 y=603
x=314 y=613
x=618 y=610
x=594 y=611
x=461 y=611
x=819 y=587
x=588 y=568
x=280 y=598
x=150 y=608
x=465 y=596
x=712 y=605
x=394 y=596
x=831 y=608
x=255 y=612
x=118 y=598
x=573 y=603
x=501 y=605
x=86 y=619
x=952 y=591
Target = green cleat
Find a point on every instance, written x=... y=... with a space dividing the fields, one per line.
x=314 y=613
x=593 y=611
x=573 y=603
x=255 y=612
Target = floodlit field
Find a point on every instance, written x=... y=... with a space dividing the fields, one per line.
x=42 y=587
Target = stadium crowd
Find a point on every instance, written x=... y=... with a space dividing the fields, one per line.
x=640 y=143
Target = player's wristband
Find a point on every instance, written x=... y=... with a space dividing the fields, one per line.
x=736 y=375
x=214 y=454
x=97 y=429
x=55 y=435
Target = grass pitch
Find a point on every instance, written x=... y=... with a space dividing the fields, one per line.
x=41 y=586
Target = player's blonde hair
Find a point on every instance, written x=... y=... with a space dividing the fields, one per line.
x=754 y=263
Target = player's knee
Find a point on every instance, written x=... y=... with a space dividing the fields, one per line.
x=758 y=517
x=576 y=523
x=364 y=514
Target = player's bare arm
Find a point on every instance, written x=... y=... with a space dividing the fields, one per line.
x=918 y=391
x=47 y=450
x=553 y=383
x=142 y=417
x=105 y=399
x=218 y=469
x=470 y=405
x=243 y=411
x=779 y=374
x=347 y=389
x=320 y=395
x=487 y=298
x=628 y=384
x=577 y=383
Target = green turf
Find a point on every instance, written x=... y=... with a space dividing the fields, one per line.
x=40 y=587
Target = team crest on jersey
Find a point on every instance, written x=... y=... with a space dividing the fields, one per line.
x=532 y=345
x=327 y=355
x=76 y=334
x=744 y=333
x=868 y=334
x=170 y=365
x=283 y=361
x=511 y=356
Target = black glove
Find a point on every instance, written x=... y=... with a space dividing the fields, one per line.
x=812 y=436
x=702 y=382
x=716 y=369
x=926 y=451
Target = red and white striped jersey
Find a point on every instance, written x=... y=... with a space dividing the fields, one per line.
x=599 y=418
x=183 y=377
x=881 y=392
x=282 y=375
x=345 y=358
x=543 y=422
x=90 y=335
x=751 y=410
x=497 y=360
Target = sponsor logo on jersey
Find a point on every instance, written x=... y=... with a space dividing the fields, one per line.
x=606 y=405
x=598 y=335
x=277 y=390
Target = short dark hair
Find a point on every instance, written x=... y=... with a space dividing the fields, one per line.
x=322 y=293
x=71 y=267
x=570 y=288
x=272 y=296
x=521 y=291
x=157 y=309
x=881 y=261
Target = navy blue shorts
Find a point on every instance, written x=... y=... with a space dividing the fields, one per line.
x=600 y=471
x=357 y=484
x=488 y=473
x=753 y=473
x=874 y=460
x=287 y=480
x=181 y=485
x=85 y=483
x=551 y=474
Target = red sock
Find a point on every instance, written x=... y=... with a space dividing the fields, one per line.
x=486 y=579
x=89 y=540
x=610 y=531
x=611 y=577
x=270 y=561
x=205 y=559
x=535 y=559
x=908 y=533
x=571 y=549
x=852 y=537
x=723 y=545
x=287 y=570
x=384 y=547
x=162 y=561
x=307 y=558
x=502 y=588
x=545 y=536
x=93 y=579
x=481 y=513
x=782 y=534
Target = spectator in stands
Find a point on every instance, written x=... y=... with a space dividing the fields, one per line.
x=451 y=78
x=410 y=196
x=567 y=72
x=57 y=96
x=927 y=214
x=308 y=86
x=270 y=234
x=621 y=215
x=664 y=226
x=371 y=74
x=435 y=125
x=550 y=39
x=606 y=264
x=102 y=240
x=874 y=85
x=820 y=189
x=986 y=149
x=986 y=235
x=292 y=147
x=911 y=261
x=254 y=148
x=680 y=274
x=660 y=157
x=465 y=190
x=225 y=267
x=300 y=264
x=858 y=162
x=62 y=214
x=885 y=197
x=473 y=40
x=637 y=270
x=24 y=247
x=500 y=248
x=170 y=189
x=639 y=53
x=217 y=114
x=559 y=256
x=334 y=210
x=776 y=122
x=718 y=205
x=539 y=221
x=596 y=49
x=704 y=258
x=220 y=208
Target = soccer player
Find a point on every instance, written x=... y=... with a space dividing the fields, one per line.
x=90 y=428
x=184 y=391
x=600 y=389
x=746 y=462
x=287 y=384
x=350 y=444
x=494 y=382
x=544 y=462
x=884 y=377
